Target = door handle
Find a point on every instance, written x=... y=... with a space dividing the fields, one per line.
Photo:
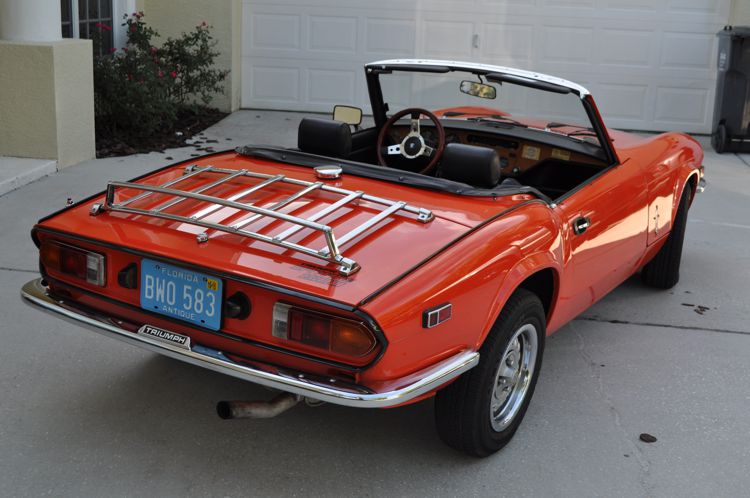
x=580 y=225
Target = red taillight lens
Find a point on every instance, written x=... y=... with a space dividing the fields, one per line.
x=333 y=334
x=73 y=261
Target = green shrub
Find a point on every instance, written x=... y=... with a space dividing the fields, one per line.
x=140 y=89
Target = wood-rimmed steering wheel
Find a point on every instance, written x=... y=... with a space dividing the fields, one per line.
x=413 y=145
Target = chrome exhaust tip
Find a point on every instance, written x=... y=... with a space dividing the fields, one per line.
x=257 y=409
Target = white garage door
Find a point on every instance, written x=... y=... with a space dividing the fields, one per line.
x=649 y=63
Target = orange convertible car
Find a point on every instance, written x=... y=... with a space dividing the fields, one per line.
x=427 y=255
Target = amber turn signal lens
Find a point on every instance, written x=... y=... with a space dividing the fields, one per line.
x=351 y=339
x=49 y=253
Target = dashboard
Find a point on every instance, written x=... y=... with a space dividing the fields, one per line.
x=516 y=156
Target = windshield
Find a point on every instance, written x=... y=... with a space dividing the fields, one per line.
x=512 y=103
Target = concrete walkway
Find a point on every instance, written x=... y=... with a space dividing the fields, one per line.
x=83 y=415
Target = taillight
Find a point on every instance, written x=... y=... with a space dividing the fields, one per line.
x=73 y=261
x=325 y=332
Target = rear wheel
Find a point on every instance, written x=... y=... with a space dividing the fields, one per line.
x=720 y=139
x=482 y=409
x=663 y=272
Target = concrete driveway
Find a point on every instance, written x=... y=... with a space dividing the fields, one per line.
x=83 y=415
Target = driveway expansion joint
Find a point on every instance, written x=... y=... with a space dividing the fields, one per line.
x=21 y=270
x=662 y=325
x=741 y=158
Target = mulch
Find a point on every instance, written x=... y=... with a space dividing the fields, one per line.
x=190 y=123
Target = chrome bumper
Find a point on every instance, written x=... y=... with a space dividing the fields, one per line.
x=35 y=294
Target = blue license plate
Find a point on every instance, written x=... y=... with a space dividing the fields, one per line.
x=179 y=293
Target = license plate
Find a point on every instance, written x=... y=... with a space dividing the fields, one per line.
x=179 y=293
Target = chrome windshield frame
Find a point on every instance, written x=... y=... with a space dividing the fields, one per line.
x=534 y=79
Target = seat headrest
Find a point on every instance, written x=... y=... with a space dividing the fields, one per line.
x=470 y=164
x=324 y=137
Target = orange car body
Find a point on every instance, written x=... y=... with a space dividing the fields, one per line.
x=474 y=254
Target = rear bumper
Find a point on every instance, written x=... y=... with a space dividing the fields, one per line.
x=402 y=391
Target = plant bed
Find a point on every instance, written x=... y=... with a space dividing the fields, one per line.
x=150 y=97
x=190 y=122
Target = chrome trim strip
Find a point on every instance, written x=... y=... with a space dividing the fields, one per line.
x=35 y=294
x=484 y=68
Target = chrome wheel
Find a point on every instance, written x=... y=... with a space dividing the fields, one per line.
x=513 y=377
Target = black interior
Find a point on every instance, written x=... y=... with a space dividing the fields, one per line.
x=554 y=177
x=477 y=165
x=324 y=137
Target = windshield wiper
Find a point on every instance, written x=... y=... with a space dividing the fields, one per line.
x=496 y=119
x=584 y=131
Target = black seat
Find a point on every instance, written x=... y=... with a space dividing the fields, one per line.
x=324 y=137
x=470 y=164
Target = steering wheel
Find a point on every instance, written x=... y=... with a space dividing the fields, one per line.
x=413 y=144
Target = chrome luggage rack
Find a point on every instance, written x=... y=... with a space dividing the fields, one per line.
x=330 y=253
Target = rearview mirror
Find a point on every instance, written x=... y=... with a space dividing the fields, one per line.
x=347 y=114
x=481 y=90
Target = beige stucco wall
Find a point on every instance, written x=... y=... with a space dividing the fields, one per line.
x=172 y=17
x=740 y=13
x=46 y=100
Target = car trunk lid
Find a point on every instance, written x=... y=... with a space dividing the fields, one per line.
x=382 y=240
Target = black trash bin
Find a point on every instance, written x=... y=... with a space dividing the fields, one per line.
x=731 y=124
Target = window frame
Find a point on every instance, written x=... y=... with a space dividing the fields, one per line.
x=120 y=8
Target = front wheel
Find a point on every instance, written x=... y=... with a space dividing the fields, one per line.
x=482 y=409
x=663 y=272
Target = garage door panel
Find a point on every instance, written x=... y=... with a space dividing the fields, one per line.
x=646 y=61
x=331 y=86
x=701 y=7
x=568 y=3
x=332 y=34
x=276 y=31
x=649 y=6
x=446 y=39
x=389 y=36
x=507 y=43
x=563 y=45
x=280 y=85
x=680 y=106
x=687 y=50
x=622 y=101
x=627 y=48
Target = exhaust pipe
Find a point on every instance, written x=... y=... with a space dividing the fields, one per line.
x=257 y=409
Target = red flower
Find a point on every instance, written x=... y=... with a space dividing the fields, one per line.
x=160 y=74
x=133 y=28
x=112 y=50
x=173 y=74
x=130 y=77
x=153 y=50
x=103 y=26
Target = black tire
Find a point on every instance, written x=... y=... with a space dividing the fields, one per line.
x=720 y=139
x=462 y=409
x=663 y=272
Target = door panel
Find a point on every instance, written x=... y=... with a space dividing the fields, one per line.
x=607 y=252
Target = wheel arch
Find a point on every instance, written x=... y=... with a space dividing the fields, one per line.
x=539 y=274
x=686 y=181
